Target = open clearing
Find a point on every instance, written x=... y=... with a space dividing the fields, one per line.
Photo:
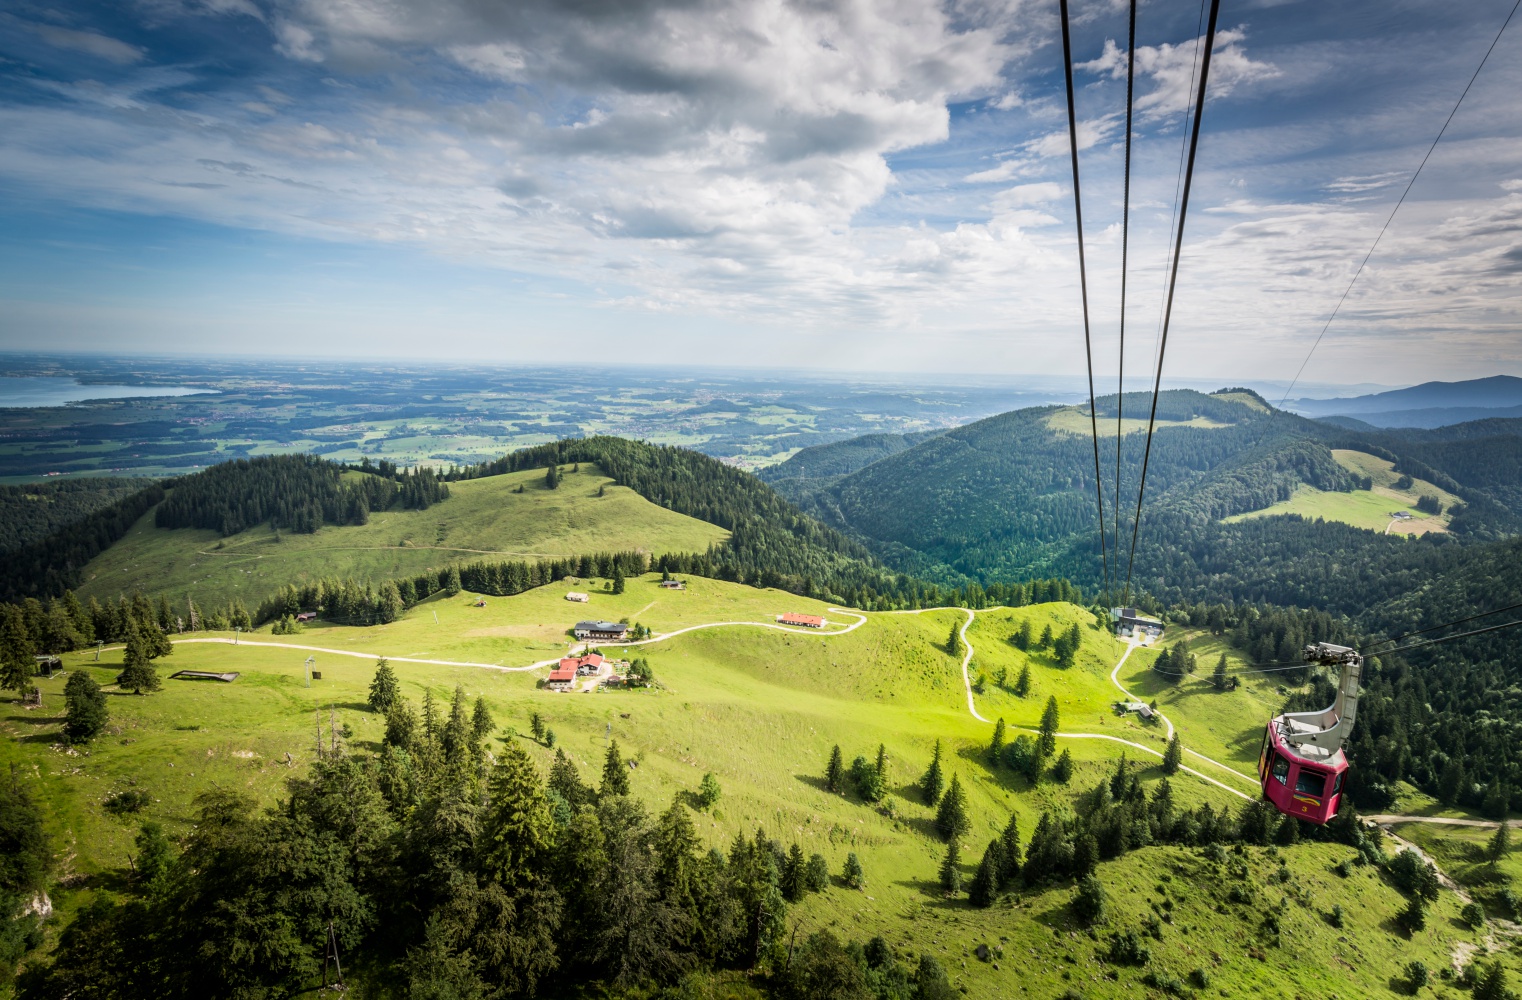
x=761 y=708
x=482 y=518
x=1075 y=420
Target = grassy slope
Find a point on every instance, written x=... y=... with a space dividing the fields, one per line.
x=761 y=709
x=1075 y=420
x=1365 y=508
x=482 y=516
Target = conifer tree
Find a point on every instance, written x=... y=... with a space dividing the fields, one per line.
x=401 y=724
x=566 y=782
x=1218 y=676
x=1010 y=839
x=481 y=722
x=138 y=673
x=951 y=817
x=852 y=874
x=794 y=870
x=16 y=663
x=618 y=581
x=1062 y=771
x=996 y=746
x=951 y=869
x=985 y=881
x=1023 y=683
x=615 y=776
x=1045 y=641
x=552 y=476
x=1173 y=756
x=1500 y=843
x=517 y=829
x=1022 y=636
x=1089 y=900
x=954 y=641
x=452 y=584
x=383 y=687
x=1050 y=721
x=708 y=791
x=934 y=782
x=882 y=764
x=835 y=770
x=85 y=707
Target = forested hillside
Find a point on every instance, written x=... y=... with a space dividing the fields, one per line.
x=31 y=512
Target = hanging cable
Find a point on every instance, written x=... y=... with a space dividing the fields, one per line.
x=1178 y=245
x=1401 y=201
x=1083 y=285
x=1125 y=245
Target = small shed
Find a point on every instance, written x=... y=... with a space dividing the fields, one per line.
x=307 y=616
x=673 y=585
x=577 y=596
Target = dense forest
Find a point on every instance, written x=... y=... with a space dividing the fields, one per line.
x=51 y=565
x=32 y=512
x=299 y=493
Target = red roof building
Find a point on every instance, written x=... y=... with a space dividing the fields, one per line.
x=562 y=676
x=806 y=621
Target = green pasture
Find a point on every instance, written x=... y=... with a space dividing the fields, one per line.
x=761 y=709
x=483 y=518
x=1369 y=509
x=1075 y=420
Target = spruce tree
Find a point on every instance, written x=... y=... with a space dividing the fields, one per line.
x=882 y=764
x=708 y=791
x=951 y=869
x=986 y=881
x=1089 y=900
x=794 y=870
x=1022 y=637
x=1010 y=839
x=1045 y=641
x=1500 y=843
x=517 y=830
x=1173 y=756
x=852 y=874
x=835 y=770
x=996 y=746
x=481 y=722
x=383 y=687
x=138 y=673
x=1218 y=676
x=934 y=782
x=566 y=782
x=1050 y=721
x=1491 y=984
x=951 y=818
x=536 y=727
x=1062 y=771
x=16 y=663
x=618 y=581
x=954 y=640
x=816 y=877
x=1023 y=683
x=452 y=584
x=85 y=707
x=552 y=477
x=615 y=776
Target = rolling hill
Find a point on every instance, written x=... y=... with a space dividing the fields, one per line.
x=1429 y=405
x=482 y=518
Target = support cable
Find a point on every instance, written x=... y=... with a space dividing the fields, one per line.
x=1125 y=245
x=1402 y=200
x=1083 y=284
x=1178 y=245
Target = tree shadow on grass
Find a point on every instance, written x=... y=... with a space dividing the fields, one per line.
x=933 y=894
x=814 y=781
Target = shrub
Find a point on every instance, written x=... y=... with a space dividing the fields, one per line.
x=1200 y=979
x=1128 y=948
x=1164 y=981
x=816 y=877
x=1089 y=900
x=1335 y=917
x=130 y=801
x=1473 y=914
x=708 y=792
x=1416 y=974
x=852 y=873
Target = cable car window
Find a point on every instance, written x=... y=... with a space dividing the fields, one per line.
x=1310 y=783
x=1337 y=785
x=1280 y=769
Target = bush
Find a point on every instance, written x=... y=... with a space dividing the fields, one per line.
x=852 y=873
x=816 y=877
x=132 y=800
x=1164 y=981
x=1127 y=948
x=1473 y=914
x=708 y=791
x=1089 y=900
x=1416 y=974
x=1200 y=979
x=1335 y=917
x=1413 y=876
x=1414 y=917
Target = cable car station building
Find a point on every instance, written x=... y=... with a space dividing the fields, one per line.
x=1130 y=621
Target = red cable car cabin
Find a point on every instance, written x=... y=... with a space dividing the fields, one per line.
x=1301 y=764
x=1305 y=787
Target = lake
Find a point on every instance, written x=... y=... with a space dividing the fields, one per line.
x=30 y=391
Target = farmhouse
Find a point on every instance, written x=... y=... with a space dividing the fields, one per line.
x=307 y=616
x=1129 y=621
x=601 y=630
x=806 y=621
x=673 y=585
x=577 y=596
x=585 y=666
x=562 y=677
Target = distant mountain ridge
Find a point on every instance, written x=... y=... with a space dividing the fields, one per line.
x=1431 y=404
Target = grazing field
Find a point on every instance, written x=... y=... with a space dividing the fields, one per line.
x=761 y=708
x=1075 y=420
x=482 y=518
x=1373 y=508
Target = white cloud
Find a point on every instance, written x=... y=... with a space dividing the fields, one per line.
x=89 y=42
x=1173 y=71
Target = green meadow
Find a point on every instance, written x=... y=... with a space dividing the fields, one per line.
x=1365 y=508
x=761 y=708
x=483 y=518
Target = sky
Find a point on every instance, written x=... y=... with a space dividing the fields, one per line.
x=870 y=186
